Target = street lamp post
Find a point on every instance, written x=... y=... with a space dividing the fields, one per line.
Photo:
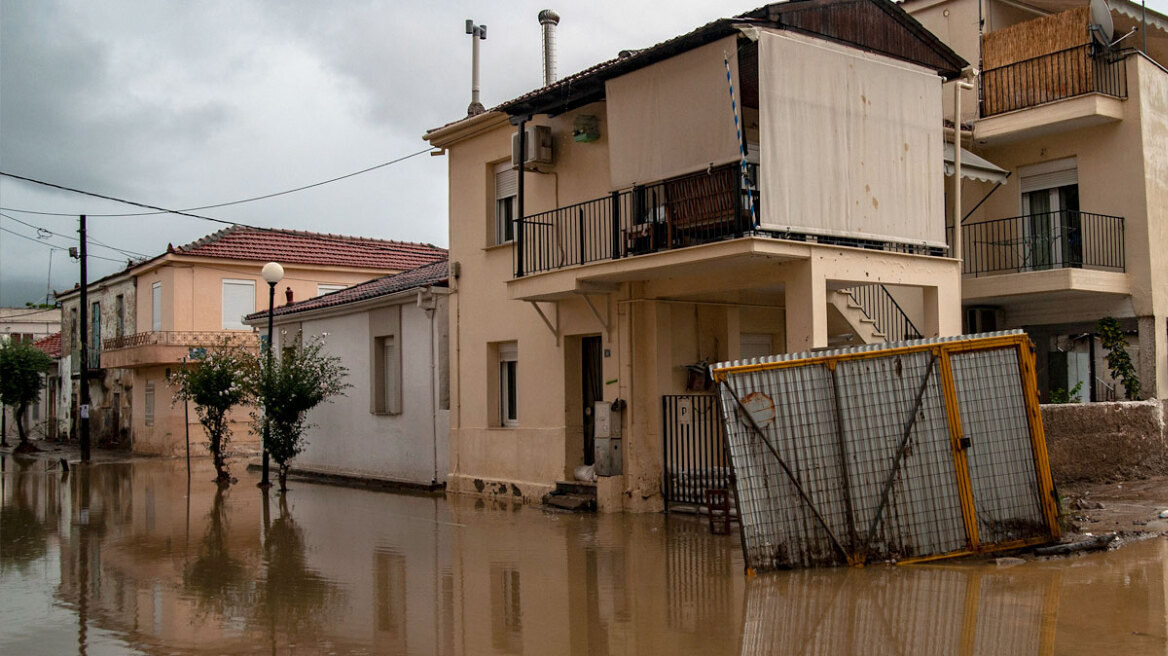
x=272 y=273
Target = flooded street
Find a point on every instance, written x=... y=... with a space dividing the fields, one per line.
x=117 y=558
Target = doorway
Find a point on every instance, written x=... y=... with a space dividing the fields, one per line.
x=592 y=390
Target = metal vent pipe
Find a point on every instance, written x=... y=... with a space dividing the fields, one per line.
x=549 y=19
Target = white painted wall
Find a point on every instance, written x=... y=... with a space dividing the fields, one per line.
x=346 y=437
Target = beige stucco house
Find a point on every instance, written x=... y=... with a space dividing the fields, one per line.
x=655 y=237
x=1079 y=117
x=195 y=296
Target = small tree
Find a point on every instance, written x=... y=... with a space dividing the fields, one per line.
x=214 y=381
x=285 y=390
x=1118 y=360
x=22 y=369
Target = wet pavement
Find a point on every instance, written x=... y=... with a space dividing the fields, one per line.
x=130 y=558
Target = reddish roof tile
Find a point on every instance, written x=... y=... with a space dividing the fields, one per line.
x=51 y=345
x=298 y=247
x=436 y=273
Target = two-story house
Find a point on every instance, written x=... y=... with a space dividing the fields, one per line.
x=646 y=235
x=1072 y=100
x=147 y=319
x=111 y=316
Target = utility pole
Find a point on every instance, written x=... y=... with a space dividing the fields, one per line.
x=83 y=329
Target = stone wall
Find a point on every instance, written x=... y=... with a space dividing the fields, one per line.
x=1106 y=441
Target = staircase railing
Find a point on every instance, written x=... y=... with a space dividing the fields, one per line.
x=886 y=314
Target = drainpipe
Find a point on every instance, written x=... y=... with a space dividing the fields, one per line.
x=964 y=83
x=429 y=304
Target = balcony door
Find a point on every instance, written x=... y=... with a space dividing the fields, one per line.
x=1051 y=224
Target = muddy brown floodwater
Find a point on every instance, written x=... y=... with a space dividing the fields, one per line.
x=124 y=558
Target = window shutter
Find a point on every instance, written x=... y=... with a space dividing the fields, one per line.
x=1049 y=175
x=506 y=181
x=238 y=301
x=156 y=306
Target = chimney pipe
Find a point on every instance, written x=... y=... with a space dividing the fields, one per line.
x=549 y=19
x=477 y=33
x=288 y=295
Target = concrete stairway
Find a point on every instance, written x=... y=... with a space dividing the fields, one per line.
x=576 y=496
x=847 y=323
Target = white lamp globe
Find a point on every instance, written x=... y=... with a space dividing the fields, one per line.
x=272 y=273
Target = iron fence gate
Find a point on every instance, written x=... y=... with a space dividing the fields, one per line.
x=695 y=453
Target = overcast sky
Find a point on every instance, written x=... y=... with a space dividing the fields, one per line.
x=185 y=104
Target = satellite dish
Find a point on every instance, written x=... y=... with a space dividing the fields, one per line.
x=1102 y=28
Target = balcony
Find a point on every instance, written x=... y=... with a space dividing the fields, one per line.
x=166 y=346
x=686 y=211
x=1064 y=74
x=1065 y=90
x=1057 y=251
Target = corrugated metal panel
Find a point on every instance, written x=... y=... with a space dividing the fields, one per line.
x=871 y=440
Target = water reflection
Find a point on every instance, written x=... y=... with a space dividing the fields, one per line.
x=125 y=558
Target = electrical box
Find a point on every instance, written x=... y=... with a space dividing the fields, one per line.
x=539 y=146
x=608 y=421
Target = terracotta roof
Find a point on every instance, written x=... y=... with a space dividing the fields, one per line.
x=298 y=247
x=435 y=273
x=51 y=345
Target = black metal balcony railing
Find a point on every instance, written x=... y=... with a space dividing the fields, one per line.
x=196 y=338
x=684 y=211
x=1051 y=240
x=1055 y=76
x=886 y=314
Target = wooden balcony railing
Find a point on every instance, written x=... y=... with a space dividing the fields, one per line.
x=1055 y=76
x=195 y=338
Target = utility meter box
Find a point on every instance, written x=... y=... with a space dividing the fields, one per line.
x=607 y=449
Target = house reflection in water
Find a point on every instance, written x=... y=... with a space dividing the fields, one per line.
x=118 y=558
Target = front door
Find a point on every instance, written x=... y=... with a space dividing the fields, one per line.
x=592 y=388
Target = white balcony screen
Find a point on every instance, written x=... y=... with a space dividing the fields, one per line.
x=238 y=302
x=851 y=143
x=672 y=117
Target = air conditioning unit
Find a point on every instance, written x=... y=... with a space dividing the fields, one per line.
x=982 y=319
x=539 y=146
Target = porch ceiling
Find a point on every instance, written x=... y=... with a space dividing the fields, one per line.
x=724 y=265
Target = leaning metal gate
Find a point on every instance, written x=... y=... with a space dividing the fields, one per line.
x=907 y=452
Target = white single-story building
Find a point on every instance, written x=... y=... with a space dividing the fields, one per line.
x=392 y=425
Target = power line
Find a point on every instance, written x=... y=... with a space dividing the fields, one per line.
x=318 y=237
x=57 y=246
x=229 y=203
x=127 y=253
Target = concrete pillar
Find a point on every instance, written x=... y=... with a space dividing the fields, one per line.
x=1152 y=367
x=652 y=347
x=806 y=303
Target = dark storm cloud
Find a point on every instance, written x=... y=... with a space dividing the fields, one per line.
x=68 y=116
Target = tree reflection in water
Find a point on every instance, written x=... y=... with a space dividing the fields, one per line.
x=216 y=579
x=292 y=599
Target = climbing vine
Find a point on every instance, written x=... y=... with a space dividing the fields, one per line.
x=1118 y=360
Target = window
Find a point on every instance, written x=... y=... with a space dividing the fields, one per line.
x=238 y=302
x=149 y=414
x=388 y=372
x=321 y=290
x=506 y=199
x=73 y=329
x=156 y=306
x=120 y=308
x=95 y=329
x=509 y=384
x=1052 y=226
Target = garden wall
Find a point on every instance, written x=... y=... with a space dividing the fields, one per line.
x=1106 y=441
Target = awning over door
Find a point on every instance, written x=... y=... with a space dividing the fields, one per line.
x=974 y=167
